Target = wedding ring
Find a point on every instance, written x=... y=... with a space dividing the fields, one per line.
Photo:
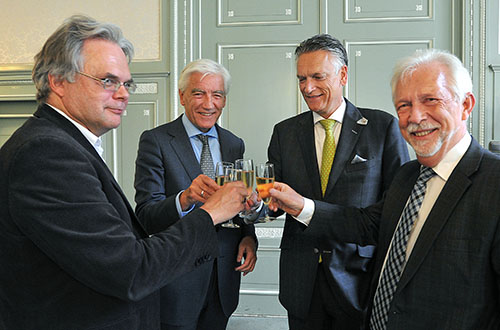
x=202 y=193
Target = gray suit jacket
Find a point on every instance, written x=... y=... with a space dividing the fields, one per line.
x=72 y=253
x=369 y=152
x=165 y=165
x=452 y=278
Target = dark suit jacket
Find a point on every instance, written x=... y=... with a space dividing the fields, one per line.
x=452 y=278
x=165 y=165
x=353 y=183
x=72 y=253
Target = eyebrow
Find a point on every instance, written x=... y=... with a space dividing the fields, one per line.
x=198 y=90
x=115 y=77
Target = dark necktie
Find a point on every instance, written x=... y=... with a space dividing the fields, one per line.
x=397 y=254
x=206 y=161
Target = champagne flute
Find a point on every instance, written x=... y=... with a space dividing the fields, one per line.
x=222 y=173
x=265 y=181
x=248 y=173
x=230 y=174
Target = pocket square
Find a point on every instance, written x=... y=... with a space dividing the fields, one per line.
x=358 y=159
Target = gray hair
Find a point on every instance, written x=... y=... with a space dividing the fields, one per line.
x=458 y=78
x=205 y=67
x=61 y=55
x=324 y=42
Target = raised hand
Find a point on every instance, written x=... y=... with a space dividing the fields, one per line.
x=285 y=198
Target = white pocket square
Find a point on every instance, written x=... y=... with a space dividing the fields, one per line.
x=358 y=159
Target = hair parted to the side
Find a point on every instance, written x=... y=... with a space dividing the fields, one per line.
x=61 y=55
x=324 y=42
x=459 y=79
x=205 y=67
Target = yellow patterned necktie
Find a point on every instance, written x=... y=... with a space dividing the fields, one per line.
x=328 y=152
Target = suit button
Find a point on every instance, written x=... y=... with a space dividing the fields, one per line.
x=316 y=250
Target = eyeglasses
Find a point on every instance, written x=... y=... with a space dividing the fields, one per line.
x=112 y=84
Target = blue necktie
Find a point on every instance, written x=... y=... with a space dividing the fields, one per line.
x=397 y=254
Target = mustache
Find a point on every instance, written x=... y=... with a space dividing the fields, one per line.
x=423 y=126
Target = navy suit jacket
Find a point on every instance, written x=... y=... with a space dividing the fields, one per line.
x=72 y=253
x=166 y=164
x=372 y=135
x=452 y=277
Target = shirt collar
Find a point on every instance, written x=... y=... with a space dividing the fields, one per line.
x=193 y=131
x=446 y=166
x=337 y=115
x=94 y=140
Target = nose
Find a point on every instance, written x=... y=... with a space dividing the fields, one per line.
x=308 y=86
x=122 y=93
x=208 y=101
x=416 y=114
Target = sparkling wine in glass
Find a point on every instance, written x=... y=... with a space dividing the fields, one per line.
x=230 y=174
x=221 y=172
x=247 y=172
x=265 y=181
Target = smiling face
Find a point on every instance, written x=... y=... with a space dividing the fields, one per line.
x=203 y=99
x=85 y=100
x=431 y=119
x=320 y=84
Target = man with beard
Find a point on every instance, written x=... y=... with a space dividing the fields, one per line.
x=438 y=227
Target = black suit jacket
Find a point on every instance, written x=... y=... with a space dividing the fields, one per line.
x=452 y=277
x=372 y=135
x=165 y=165
x=73 y=254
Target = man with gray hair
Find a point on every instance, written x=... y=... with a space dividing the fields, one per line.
x=72 y=253
x=438 y=227
x=173 y=178
x=340 y=153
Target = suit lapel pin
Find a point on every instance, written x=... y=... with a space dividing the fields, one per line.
x=363 y=121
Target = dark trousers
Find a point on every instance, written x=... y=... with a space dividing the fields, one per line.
x=211 y=317
x=324 y=311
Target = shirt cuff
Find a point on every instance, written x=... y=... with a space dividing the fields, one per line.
x=307 y=212
x=179 y=207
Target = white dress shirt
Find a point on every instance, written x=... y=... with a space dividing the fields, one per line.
x=94 y=140
x=434 y=186
x=319 y=139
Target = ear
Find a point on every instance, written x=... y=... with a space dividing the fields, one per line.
x=181 y=97
x=468 y=105
x=57 y=85
x=343 y=75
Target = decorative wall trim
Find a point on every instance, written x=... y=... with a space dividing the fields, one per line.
x=349 y=19
x=482 y=73
x=259 y=292
x=269 y=232
x=15 y=116
x=348 y=44
x=146 y=88
x=222 y=47
x=220 y=23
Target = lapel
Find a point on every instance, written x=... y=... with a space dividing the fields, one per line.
x=349 y=136
x=183 y=149
x=45 y=111
x=305 y=137
x=227 y=150
x=402 y=191
x=443 y=209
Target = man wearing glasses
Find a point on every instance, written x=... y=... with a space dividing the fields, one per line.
x=72 y=253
